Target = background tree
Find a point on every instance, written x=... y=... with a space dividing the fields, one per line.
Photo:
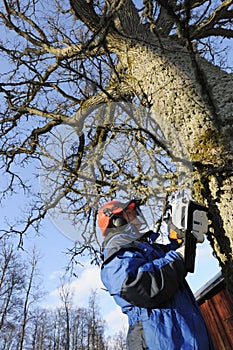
x=11 y=283
x=43 y=325
x=25 y=324
x=78 y=327
x=66 y=59
x=66 y=299
x=95 y=325
x=117 y=341
x=19 y=293
x=31 y=293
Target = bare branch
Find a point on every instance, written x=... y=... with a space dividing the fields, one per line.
x=220 y=14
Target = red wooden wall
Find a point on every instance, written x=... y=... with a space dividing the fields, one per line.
x=216 y=305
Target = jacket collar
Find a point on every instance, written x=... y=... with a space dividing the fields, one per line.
x=128 y=239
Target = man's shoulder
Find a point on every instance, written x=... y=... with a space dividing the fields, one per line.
x=120 y=241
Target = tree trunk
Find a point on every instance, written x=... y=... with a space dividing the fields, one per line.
x=194 y=97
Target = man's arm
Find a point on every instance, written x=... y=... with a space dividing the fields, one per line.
x=142 y=283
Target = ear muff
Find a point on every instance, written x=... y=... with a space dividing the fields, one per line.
x=118 y=221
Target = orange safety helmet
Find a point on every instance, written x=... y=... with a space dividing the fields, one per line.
x=114 y=210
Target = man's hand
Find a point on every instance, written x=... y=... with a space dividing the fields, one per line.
x=174 y=236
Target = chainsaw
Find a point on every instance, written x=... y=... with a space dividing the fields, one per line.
x=187 y=222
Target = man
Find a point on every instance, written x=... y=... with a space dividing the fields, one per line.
x=147 y=280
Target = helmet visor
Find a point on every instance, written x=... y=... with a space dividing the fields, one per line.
x=135 y=218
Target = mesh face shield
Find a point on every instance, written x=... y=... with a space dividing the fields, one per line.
x=135 y=217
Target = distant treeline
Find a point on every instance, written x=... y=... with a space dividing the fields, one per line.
x=24 y=325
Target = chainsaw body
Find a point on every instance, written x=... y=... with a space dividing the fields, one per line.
x=189 y=220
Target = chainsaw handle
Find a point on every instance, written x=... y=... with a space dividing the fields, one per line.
x=190 y=252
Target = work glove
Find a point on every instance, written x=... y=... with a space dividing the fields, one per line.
x=173 y=236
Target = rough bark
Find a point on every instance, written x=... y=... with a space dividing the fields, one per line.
x=190 y=93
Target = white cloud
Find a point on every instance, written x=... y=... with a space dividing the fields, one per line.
x=116 y=321
x=88 y=279
x=81 y=287
x=55 y=274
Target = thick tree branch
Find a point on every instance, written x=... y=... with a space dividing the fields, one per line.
x=85 y=12
x=166 y=18
x=208 y=32
x=128 y=19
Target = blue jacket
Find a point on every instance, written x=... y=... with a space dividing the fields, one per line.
x=148 y=282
